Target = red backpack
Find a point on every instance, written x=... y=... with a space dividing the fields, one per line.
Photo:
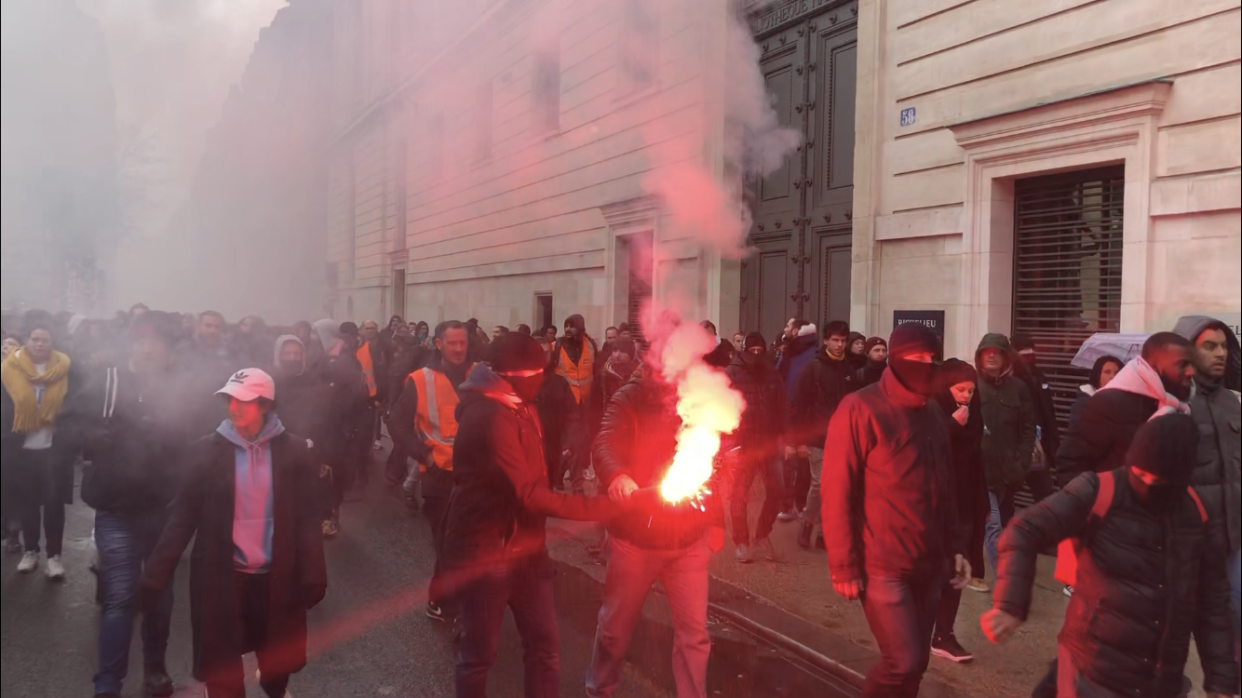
x=1069 y=549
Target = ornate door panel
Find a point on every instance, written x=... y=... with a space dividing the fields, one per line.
x=828 y=277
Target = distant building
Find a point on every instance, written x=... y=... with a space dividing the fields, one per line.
x=256 y=210
x=58 y=170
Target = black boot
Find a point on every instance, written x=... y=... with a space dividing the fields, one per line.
x=156 y=682
x=804 y=535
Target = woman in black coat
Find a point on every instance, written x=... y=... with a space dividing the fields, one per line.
x=959 y=400
x=1105 y=370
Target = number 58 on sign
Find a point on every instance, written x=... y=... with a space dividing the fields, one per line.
x=908 y=117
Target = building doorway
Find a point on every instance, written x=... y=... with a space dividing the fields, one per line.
x=803 y=212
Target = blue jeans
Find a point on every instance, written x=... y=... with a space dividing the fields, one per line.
x=902 y=614
x=772 y=470
x=525 y=587
x=631 y=572
x=1003 y=509
x=124 y=542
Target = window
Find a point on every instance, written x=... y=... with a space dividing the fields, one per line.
x=483 y=123
x=546 y=92
x=640 y=47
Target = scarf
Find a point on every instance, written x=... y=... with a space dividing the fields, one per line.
x=1139 y=378
x=32 y=412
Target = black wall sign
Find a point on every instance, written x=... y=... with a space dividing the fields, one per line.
x=931 y=318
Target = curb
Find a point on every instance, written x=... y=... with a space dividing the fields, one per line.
x=746 y=660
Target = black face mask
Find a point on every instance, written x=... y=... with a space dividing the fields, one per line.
x=917 y=376
x=527 y=388
x=1155 y=497
x=292 y=368
x=754 y=360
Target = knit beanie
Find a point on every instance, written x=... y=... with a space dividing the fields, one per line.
x=625 y=346
x=516 y=352
x=913 y=338
x=1167 y=446
x=754 y=339
x=956 y=371
x=577 y=322
x=875 y=342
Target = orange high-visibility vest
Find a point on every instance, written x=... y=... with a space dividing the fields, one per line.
x=368 y=369
x=436 y=419
x=582 y=375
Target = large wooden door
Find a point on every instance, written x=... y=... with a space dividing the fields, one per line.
x=803 y=212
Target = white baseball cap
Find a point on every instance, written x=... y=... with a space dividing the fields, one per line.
x=248 y=385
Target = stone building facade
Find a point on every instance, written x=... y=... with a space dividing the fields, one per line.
x=490 y=161
x=1054 y=168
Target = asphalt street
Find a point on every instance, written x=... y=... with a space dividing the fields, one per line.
x=369 y=638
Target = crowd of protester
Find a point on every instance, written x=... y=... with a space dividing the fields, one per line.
x=904 y=468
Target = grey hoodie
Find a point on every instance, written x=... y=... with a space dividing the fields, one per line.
x=1216 y=409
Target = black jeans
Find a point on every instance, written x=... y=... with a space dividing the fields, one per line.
x=251 y=592
x=437 y=486
x=525 y=587
x=771 y=469
x=946 y=617
x=902 y=613
x=797 y=483
x=39 y=503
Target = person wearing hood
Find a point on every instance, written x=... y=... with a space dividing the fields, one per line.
x=304 y=397
x=877 y=361
x=759 y=444
x=409 y=356
x=856 y=351
x=891 y=520
x=36 y=382
x=258 y=561
x=819 y=390
x=1009 y=432
x=721 y=356
x=1215 y=407
x=133 y=423
x=558 y=415
x=1026 y=369
x=1160 y=380
x=495 y=542
x=424 y=425
x=958 y=397
x=1103 y=372
x=1148 y=577
x=577 y=362
x=342 y=373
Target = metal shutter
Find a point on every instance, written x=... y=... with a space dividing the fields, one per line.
x=1067 y=268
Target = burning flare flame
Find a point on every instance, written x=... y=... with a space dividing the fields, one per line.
x=709 y=407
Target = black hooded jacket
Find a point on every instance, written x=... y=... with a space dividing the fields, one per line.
x=1146 y=582
x=1009 y=421
x=501 y=496
x=818 y=391
x=638 y=438
x=966 y=447
x=766 y=418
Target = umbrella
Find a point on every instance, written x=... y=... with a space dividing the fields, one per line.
x=1126 y=347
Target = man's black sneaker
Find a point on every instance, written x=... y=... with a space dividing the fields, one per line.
x=949 y=648
x=156 y=682
x=436 y=613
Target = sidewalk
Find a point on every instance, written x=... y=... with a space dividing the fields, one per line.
x=794 y=598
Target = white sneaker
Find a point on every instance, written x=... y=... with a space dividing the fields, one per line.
x=55 y=568
x=29 y=563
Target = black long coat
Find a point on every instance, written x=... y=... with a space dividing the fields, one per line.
x=204 y=511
